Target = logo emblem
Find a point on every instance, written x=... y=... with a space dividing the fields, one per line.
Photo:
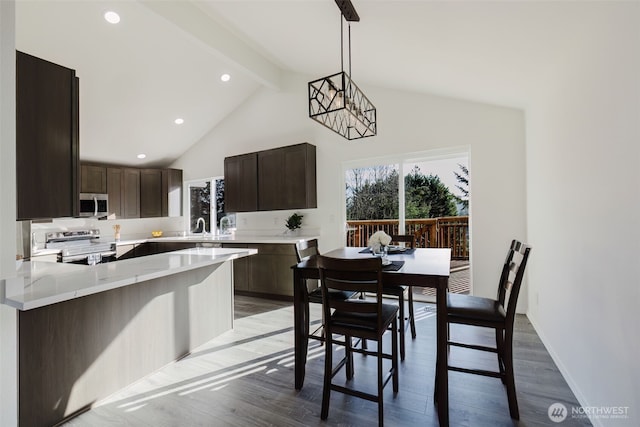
x=557 y=412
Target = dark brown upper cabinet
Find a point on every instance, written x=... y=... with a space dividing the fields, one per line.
x=93 y=179
x=276 y=179
x=130 y=198
x=47 y=143
x=287 y=178
x=115 y=184
x=171 y=192
x=136 y=193
x=241 y=183
x=150 y=193
x=123 y=188
x=160 y=192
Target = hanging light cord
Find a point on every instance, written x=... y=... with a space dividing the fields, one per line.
x=342 y=44
x=349 y=49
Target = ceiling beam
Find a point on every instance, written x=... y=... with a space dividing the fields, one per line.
x=194 y=21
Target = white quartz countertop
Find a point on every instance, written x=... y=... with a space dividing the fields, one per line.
x=208 y=238
x=40 y=283
x=229 y=238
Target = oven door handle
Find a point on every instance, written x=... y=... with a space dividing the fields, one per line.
x=80 y=257
x=95 y=206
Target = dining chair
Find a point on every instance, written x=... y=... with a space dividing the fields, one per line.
x=304 y=250
x=399 y=291
x=365 y=319
x=498 y=314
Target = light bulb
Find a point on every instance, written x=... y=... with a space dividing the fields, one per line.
x=112 y=17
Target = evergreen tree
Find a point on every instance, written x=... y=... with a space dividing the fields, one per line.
x=463 y=179
x=427 y=196
x=372 y=193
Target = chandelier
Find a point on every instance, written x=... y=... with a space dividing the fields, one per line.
x=336 y=101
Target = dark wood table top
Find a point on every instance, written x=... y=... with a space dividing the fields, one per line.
x=423 y=264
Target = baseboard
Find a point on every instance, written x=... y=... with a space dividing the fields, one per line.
x=597 y=422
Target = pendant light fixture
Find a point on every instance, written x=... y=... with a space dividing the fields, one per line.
x=335 y=101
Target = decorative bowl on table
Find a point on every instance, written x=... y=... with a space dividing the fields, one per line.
x=157 y=233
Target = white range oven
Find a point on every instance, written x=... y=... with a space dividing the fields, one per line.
x=81 y=247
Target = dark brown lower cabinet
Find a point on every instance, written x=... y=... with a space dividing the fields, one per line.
x=268 y=273
x=241 y=268
x=135 y=250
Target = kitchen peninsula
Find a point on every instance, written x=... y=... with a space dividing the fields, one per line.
x=85 y=332
x=267 y=274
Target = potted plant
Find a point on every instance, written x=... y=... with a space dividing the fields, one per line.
x=294 y=222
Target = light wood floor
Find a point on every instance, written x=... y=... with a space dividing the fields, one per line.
x=245 y=378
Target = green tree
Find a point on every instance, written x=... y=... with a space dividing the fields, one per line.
x=426 y=196
x=372 y=193
x=463 y=180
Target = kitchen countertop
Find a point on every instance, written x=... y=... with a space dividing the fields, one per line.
x=228 y=238
x=40 y=283
x=234 y=238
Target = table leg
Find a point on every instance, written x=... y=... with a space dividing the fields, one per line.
x=301 y=326
x=442 y=382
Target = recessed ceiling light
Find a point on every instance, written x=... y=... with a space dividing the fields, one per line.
x=141 y=156
x=225 y=77
x=178 y=121
x=112 y=17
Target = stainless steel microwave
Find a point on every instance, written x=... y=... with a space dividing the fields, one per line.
x=96 y=205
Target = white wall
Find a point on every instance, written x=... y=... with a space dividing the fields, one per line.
x=407 y=123
x=8 y=322
x=583 y=151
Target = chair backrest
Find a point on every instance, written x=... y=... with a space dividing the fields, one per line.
x=511 y=277
x=306 y=249
x=404 y=238
x=355 y=275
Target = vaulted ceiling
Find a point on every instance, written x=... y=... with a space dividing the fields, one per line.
x=164 y=59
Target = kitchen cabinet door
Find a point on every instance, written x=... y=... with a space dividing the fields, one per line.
x=270 y=272
x=131 y=193
x=171 y=197
x=271 y=176
x=287 y=178
x=115 y=191
x=150 y=193
x=299 y=182
x=93 y=179
x=241 y=183
x=241 y=268
x=47 y=148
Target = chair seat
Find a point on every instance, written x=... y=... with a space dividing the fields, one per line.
x=315 y=296
x=478 y=309
x=364 y=321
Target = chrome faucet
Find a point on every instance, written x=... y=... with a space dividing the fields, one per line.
x=204 y=225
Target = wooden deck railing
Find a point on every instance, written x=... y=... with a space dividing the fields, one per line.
x=446 y=232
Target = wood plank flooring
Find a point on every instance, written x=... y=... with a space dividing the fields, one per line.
x=245 y=378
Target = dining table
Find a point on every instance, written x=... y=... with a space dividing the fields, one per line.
x=423 y=267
